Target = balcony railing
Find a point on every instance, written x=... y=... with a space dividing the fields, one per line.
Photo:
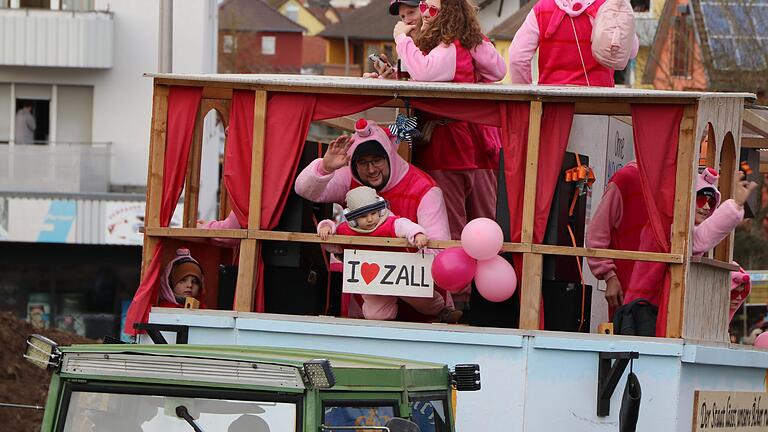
x=55 y=167
x=51 y=38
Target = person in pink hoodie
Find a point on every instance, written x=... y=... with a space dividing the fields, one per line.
x=712 y=223
x=561 y=30
x=617 y=224
x=370 y=158
x=462 y=157
x=367 y=214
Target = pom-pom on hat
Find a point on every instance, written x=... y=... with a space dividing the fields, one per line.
x=185 y=266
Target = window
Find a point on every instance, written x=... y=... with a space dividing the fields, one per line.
x=682 y=46
x=268 y=45
x=112 y=411
x=429 y=412
x=641 y=5
x=229 y=44
x=358 y=413
x=292 y=12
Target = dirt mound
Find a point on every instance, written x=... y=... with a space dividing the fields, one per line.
x=20 y=381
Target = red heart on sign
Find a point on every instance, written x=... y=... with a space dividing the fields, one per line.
x=369 y=272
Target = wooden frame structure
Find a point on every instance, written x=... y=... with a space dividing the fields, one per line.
x=698 y=304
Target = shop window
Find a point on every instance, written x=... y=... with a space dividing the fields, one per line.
x=682 y=47
x=268 y=45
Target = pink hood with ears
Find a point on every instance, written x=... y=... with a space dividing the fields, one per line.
x=368 y=130
x=708 y=179
x=166 y=291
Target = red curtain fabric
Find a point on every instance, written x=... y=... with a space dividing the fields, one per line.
x=288 y=118
x=656 y=134
x=555 y=130
x=474 y=111
x=183 y=106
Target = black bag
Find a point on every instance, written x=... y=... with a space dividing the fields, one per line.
x=637 y=318
x=630 y=404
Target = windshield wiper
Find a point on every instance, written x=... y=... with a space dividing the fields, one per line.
x=183 y=412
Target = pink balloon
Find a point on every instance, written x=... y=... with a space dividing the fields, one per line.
x=482 y=238
x=495 y=279
x=762 y=340
x=453 y=269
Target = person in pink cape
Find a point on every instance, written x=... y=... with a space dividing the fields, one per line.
x=712 y=223
x=561 y=30
x=370 y=158
x=367 y=214
x=617 y=224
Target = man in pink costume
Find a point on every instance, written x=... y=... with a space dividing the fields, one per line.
x=370 y=158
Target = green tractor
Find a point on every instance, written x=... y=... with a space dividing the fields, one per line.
x=170 y=388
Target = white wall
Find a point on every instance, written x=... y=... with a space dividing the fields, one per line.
x=597 y=137
x=122 y=97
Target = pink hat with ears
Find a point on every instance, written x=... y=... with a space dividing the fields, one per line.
x=707 y=179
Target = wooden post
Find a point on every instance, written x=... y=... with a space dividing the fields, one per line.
x=530 y=301
x=246 y=276
x=531 y=166
x=155 y=170
x=530 y=294
x=192 y=180
x=682 y=219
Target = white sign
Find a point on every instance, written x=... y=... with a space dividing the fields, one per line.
x=399 y=274
x=730 y=411
x=621 y=148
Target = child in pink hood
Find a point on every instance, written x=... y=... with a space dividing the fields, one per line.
x=564 y=58
x=367 y=214
x=182 y=278
x=713 y=222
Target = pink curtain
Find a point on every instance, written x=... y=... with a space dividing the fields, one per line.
x=288 y=118
x=183 y=106
x=656 y=134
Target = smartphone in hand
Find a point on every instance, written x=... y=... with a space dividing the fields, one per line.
x=378 y=61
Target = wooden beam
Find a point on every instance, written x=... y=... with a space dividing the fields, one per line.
x=714 y=263
x=609 y=108
x=155 y=169
x=192 y=179
x=756 y=122
x=531 y=167
x=754 y=142
x=530 y=296
x=211 y=92
x=196 y=232
x=246 y=276
x=607 y=253
x=682 y=218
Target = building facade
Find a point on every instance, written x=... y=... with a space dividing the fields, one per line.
x=74 y=115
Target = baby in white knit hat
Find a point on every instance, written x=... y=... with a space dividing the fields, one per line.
x=367 y=214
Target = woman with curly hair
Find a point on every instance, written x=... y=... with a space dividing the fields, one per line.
x=461 y=157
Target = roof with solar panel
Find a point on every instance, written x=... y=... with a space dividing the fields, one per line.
x=732 y=36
